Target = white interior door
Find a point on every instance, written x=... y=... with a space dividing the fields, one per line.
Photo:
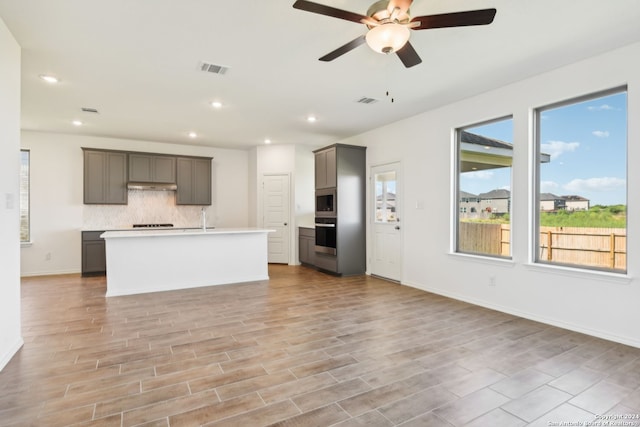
x=276 y=211
x=386 y=231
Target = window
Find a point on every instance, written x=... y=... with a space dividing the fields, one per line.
x=25 y=229
x=385 y=188
x=581 y=214
x=483 y=188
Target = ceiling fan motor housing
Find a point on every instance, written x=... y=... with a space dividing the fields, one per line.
x=381 y=13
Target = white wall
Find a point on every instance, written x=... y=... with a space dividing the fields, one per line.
x=305 y=186
x=10 y=338
x=600 y=304
x=57 y=212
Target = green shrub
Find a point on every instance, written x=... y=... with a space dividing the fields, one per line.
x=598 y=216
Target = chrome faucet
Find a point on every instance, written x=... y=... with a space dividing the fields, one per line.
x=204 y=219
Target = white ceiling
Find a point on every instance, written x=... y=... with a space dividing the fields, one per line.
x=136 y=61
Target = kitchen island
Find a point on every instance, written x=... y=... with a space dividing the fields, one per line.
x=169 y=259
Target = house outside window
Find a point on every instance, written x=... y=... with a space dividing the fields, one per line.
x=25 y=226
x=483 y=189
x=581 y=203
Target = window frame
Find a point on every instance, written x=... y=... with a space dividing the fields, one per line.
x=535 y=238
x=457 y=144
x=28 y=197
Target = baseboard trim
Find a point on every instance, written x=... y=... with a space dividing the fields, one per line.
x=6 y=358
x=530 y=316
x=49 y=273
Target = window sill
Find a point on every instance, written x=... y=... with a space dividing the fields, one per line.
x=578 y=273
x=502 y=261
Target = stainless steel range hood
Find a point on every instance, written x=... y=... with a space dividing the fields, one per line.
x=149 y=186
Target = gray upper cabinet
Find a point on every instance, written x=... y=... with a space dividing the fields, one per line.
x=105 y=177
x=325 y=167
x=194 y=181
x=152 y=168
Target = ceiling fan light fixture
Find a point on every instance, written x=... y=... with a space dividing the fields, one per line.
x=388 y=38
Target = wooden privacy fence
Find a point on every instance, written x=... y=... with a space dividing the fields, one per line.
x=594 y=247
x=483 y=238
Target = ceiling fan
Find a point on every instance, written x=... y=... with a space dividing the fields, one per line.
x=389 y=24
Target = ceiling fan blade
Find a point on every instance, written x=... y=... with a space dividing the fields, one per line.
x=455 y=19
x=408 y=56
x=343 y=49
x=329 y=11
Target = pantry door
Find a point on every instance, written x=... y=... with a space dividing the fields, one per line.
x=386 y=260
x=276 y=211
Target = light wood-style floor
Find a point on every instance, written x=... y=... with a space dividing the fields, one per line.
x=303 y=349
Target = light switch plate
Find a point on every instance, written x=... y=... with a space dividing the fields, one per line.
x=9 y=200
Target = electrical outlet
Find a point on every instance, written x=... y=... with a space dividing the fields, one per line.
x=47 y=257
x=492 y=280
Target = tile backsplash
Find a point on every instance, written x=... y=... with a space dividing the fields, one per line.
x=144 y=207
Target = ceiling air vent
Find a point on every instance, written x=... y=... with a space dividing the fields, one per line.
x=365 y=100
x=89 y=110
x=208 y=67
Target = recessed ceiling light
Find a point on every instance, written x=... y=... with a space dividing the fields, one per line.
x=49 y=79
x=216 y=104
x=193 y=135
x=311 y=119
x=267 y=141
x=77 y=123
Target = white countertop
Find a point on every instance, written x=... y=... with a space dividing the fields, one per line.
x=163 y=232
x=132 y=228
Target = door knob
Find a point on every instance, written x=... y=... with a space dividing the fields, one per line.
x=285 y=223
x=397 y=227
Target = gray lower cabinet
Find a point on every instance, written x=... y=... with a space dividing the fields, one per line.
x=152 y=168
x=94 y=258
x=306 y=245
x=326 y=262
x=105 y=177
x=193 y=180
x=307 y=252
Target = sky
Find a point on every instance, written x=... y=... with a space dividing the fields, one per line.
x=587 y=143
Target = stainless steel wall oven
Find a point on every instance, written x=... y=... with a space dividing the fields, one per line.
x=326 y=235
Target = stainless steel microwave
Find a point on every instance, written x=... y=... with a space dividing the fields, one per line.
x=326 y=202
